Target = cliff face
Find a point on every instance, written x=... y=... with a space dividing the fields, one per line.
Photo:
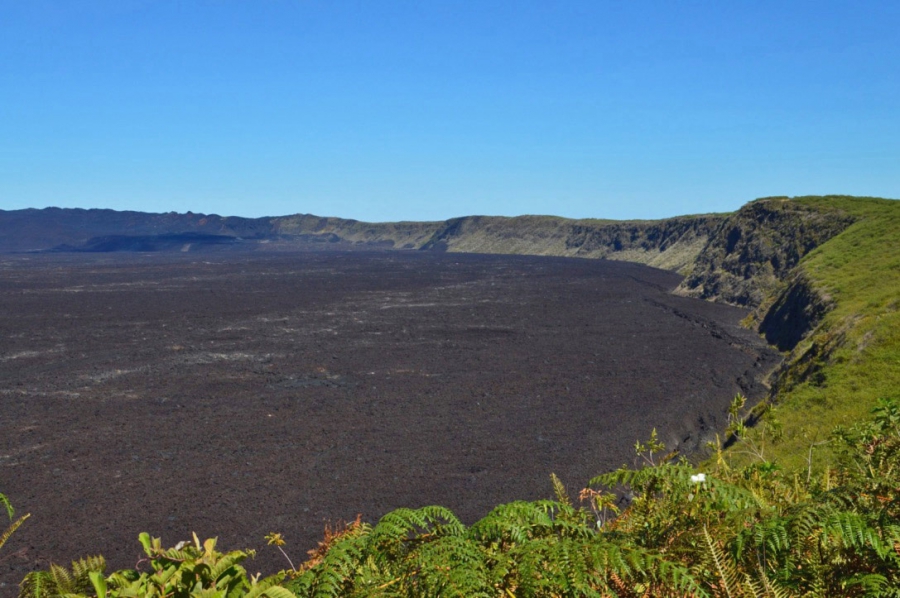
x=754 y=250
x=671 y=244
x=795 y=311
x=392 y=235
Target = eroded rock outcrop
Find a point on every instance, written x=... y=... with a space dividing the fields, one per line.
x=755 y=250
x=795 y=311
x=671 y=244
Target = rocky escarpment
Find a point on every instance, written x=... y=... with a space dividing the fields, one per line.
x=301 y=228
x=794 y=315
x=794 y=312
x=755 y=250
x=671 y=244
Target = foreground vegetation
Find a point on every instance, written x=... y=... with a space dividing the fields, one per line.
x=749 y=532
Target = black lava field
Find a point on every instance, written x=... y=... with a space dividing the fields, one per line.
x=236 y=395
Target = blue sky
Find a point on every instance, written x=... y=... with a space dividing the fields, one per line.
x=425 y=110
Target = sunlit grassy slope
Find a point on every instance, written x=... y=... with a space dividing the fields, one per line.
x=853 y=357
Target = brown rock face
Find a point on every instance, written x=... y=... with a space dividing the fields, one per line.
x=756 y=248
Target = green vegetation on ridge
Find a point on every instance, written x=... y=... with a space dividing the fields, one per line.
x=852 y=358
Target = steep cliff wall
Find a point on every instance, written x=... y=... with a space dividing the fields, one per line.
x=794 y=312
x=671 y=244
x=395 y=235
x=754 y=250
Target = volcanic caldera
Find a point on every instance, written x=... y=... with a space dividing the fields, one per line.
x=233 y=395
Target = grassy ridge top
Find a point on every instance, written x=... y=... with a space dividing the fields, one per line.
x=852 y=358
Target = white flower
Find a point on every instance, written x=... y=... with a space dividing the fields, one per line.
x=699 y=478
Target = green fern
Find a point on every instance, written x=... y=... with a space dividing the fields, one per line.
x=9 y=531
x=11 y=513
x=4 y=502
x=62 y=582
x=726 y=573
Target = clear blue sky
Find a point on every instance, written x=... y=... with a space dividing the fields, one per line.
x=428 y=109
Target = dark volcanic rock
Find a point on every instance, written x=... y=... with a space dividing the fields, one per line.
x=235 y=395
x=757 y=247
x=795 y=312
x=167 y=242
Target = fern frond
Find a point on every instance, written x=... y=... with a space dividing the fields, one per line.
x=871 y=584
x=559 y=490
x=83 y=567
x=765 y=588
x=448 y=566
x=12 y=529
x=725 y=569
x=403 y=524
x=755 y=588
x=277 y=592
x=671 y=575
x=772 y=535
x=37 y=584
x=4 y=502
x=514 y=522
x=853 y=531
x=333 y=571
x=63 y=580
